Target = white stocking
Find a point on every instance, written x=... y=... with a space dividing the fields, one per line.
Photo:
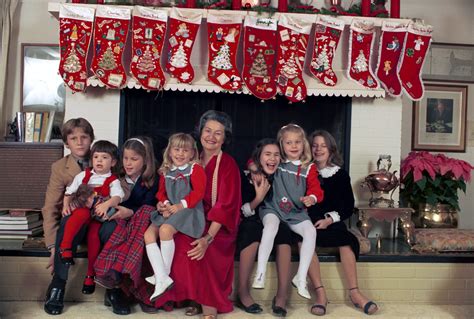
x=270 y=228
x=167 y=251
x=306 y=230
x=156 y=261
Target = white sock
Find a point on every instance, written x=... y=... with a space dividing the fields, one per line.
x=306 y=230
x=156 y=261
x=270 y=229
x=167 y=251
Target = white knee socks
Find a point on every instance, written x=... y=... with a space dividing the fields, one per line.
x=156 y=261
x=308 y=232
x=270 y=229
x=167 y=251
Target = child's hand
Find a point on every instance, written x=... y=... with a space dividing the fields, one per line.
x=173 y=209
x=308 y=200
x=323 y=223
x=101 y=209
x=66 y=211
x=261 y=189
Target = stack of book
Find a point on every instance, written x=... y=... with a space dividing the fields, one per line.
x=35 y=126
x=20 y=223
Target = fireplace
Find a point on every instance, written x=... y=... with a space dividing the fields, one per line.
x=160 y=114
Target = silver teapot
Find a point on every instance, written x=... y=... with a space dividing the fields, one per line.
x=382 y=181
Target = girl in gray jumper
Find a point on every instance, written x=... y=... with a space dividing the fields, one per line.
x=295 y=187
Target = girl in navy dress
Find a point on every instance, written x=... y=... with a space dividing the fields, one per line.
x=295 y=187
x=180 y=209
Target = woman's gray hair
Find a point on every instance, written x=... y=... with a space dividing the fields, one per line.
x=220 y=117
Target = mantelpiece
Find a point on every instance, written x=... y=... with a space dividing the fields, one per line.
x=344 y=87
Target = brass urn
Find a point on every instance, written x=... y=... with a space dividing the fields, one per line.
x=437 y=216
x=380 y=182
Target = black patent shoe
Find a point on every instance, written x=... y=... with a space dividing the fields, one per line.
x=54 y=303
x=116 y=299
x=253 y=308
x=278 y=311
x=88 y=289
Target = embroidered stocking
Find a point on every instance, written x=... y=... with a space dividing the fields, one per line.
x=75 y=33
x=149 y=29
x=110 y=36
x=224 y=34
x=260 y=44
x=183 y=26
x=361 y=40
x=391 y=42
x=416 y=46
x=293 y=37
x=326 y=38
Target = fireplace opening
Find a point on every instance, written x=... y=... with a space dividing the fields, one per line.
x=158 y=115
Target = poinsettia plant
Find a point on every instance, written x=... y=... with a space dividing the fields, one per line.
x=433 y=179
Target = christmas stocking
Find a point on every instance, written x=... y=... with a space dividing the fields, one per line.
x=224 y=34
x=75 y=33
x=326 y=38
x=183 y=26
x=416 y=46
x=293 y=36
x=110 y=36
x=391 y=41
x=361 y=40
x=260 y=43
x=149 y=29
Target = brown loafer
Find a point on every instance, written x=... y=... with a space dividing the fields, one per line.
x=147 y=308
x=193 y=311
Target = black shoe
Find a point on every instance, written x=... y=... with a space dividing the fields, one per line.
x=54 y=303
x=116 y=299
x=88 y=289
x=68 y=261
x=278 y=311
x=253 y=308
x=147 y=308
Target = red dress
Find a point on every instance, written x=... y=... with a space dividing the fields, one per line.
x=209 y=281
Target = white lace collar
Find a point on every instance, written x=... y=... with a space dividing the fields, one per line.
x=181 y=168
x=295 y=162
x=328 y=171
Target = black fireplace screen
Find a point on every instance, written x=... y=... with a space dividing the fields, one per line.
x=158 y=115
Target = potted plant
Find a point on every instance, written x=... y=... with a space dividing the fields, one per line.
x=430 y=184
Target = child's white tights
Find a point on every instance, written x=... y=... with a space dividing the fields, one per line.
x=270 y=228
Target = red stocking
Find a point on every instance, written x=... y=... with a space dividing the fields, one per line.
x=75 y=33
x=291 y=54
x=416 y=46
x=224 y=34
x=183 y=26
x=110 y=36
x=260 y=43
x=391 y=41
x=149 y=29
x=326 y=38
x=361 y=40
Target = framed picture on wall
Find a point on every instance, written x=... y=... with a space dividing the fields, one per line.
x=448 y=62
x=439 y=119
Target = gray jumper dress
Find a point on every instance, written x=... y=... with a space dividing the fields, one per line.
x=189 y=221
x=289 y=185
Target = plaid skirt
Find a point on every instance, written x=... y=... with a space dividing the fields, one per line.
x=123 y=252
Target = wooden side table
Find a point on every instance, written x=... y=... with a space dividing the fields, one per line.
x=388 y=214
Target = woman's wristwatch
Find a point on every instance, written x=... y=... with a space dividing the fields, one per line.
x=209 y=238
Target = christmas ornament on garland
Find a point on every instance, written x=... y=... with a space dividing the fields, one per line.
x=148 y=32
x=361 y=40
x=416 y=47
x=326 y=37
x=293 y=35
x=260 y=42
x=183 y=27
x=75 y=33
x=224 y=33
x=390 y=49
x=110 y=37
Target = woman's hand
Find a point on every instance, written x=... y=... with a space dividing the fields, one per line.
x=323 y=223
x=121 y=213
x=66 y=211
x=261 y=188
x=198 y=252
x=50 y=264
